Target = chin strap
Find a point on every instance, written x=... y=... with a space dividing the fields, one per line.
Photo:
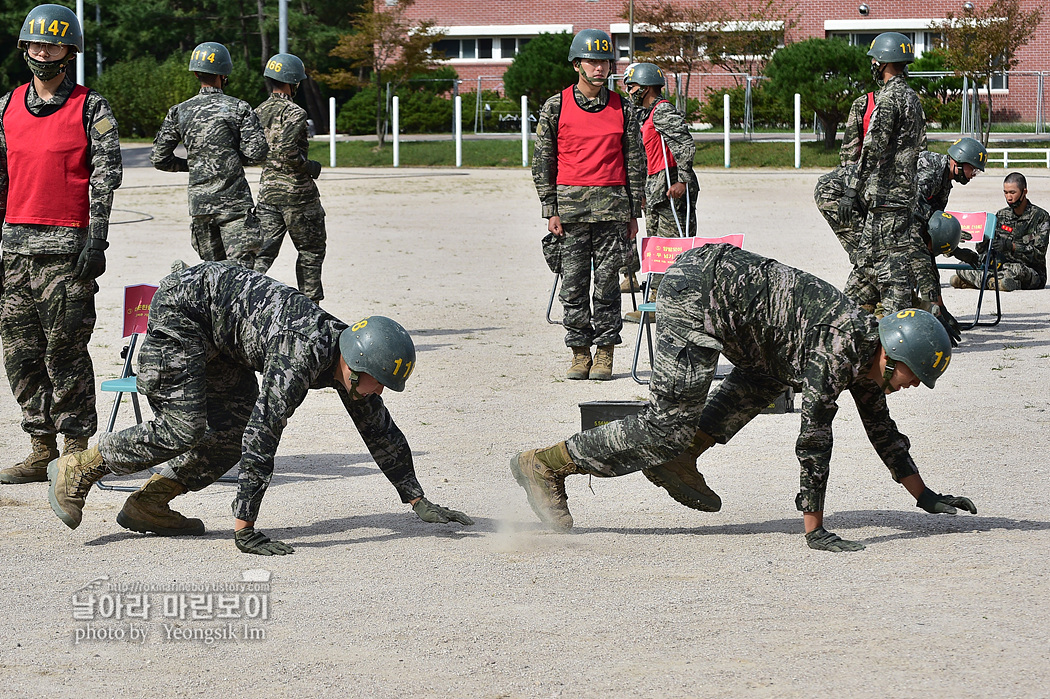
x=891 y=365
x=588 y=79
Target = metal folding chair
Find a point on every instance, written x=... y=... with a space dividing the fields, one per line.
x=981 y=226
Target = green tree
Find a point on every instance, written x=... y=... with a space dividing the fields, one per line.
x=540 y=70
x=828 y=73
x=675 y=33
x=982 y=43
x=385 y=48
x=940 y=96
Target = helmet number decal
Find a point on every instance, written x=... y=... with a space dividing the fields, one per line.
x=599 y=45
x=359 y=324
x=397 y=367
x=907 y=313
x=204 y=56
x=275 y=66
x=52 y=28
x=906 y=48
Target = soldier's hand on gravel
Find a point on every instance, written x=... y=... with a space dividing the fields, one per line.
x=250 y=541
x=938 y=504
x=967 y=256
x=847 y=202
x=1001 y=245
x=821 y=539
x=436 y=514
x=313 y=169
x=92 y=261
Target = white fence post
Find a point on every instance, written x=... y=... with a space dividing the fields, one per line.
x=457 y=113
x=524 y=131
x=798 y=130
x=725 y=125
x=331 y=130
x=397 y=135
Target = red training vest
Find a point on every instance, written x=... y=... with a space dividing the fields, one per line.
x=590 y=144
x=651 y=139
x=867 y=115
x=47 y=162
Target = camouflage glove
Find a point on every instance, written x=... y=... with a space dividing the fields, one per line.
x=436 y=514
x=937 y=504
x=820 y=539
x=250 y=541
x=951 y=325
x=1001 y=245
x=846 y=204
x=92 y=262
x=968 y=257
x=313 y=169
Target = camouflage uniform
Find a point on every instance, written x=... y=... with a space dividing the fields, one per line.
x=288 y=198
x=221 y=135
x=47 y=315
x=211 y=329
x=1025 y=266
x=890 y=255
x=852 y=136
x=595 y=222
x=659 y=220
x=779 y=327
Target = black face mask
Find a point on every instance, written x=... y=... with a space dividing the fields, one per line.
x=46 y=70
x=961 y=177
x=876 y=73
x=1019 y=205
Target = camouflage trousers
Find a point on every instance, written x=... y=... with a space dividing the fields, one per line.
x=1017 y=275
x=46 y=319
x=234 y=236
x=201 y=405
x=683 y=367
x=892 y=266
x=849 y=232
x=601 y=246
x=304 y=224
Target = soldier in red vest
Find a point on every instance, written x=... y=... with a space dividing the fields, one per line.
x=589 y=170
x=59 y=164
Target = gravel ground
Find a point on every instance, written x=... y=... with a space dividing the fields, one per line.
x=644 y=597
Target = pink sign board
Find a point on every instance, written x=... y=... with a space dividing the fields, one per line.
x=973 y=222
x=136 y=307
x=659 y=253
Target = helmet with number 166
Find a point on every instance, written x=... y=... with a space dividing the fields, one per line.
x=285 y=68
x=381 y=348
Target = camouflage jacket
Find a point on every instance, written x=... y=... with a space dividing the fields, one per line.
x=885 y=177
x=221 y=135
x=934 y=185
x=780 y=322
x=670 y=124
x=284 y=177
x=104 y=162
x=587 y=204
x=1028 y=232
x=852 y=138
x=293 y=344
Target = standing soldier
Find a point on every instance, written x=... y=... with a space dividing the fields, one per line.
x=221 y=135
x=589 y=170
x=884 y=181
x=211 y=329
x=288 y=198
x=779 y=327
x=59 y=165
x=1020 y=241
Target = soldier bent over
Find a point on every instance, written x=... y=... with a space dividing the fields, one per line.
x=779 y=327
x=211 y=329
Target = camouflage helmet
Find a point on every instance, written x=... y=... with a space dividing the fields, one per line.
x=945 y=233
x=592 y=43
x=969 y=150
x=381 y=348
x=644 y=74
x=211 y=57
x=52 y=24
x=892 y=47
x=285 y=68
x=917 y=339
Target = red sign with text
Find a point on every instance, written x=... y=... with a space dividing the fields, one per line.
x=974 y=222
x=659 y=253
x=136 y=307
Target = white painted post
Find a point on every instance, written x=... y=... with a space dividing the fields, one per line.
x=798 y=130
x=397 y=135
x=524 y=131
x=725 y=125
x=457 y=126
x=80 y=63
x=331 y=130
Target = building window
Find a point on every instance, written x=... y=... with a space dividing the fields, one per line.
x=623 y=41
x=479 y=49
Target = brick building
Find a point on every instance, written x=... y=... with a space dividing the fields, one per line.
x=483 y=37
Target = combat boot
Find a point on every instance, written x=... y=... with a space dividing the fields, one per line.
x=603 y=361
x=71 y=478
x=581 y=363
x=959 y=282
x=542 y=472
x=632 y=317
x=630 y=284
x=683 y=482
x=73 y=445
x=146 y=510
x=33 y=469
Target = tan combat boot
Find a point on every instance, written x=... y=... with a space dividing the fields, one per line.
x=73 y=445
x=71 y=478
x=33 y=469
x=959 y=282
x=683 y=481
x=629 y=284
x=581 y=363
x=542 y=472
x=146 y=510
x=603 y=361
x=632 y=317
